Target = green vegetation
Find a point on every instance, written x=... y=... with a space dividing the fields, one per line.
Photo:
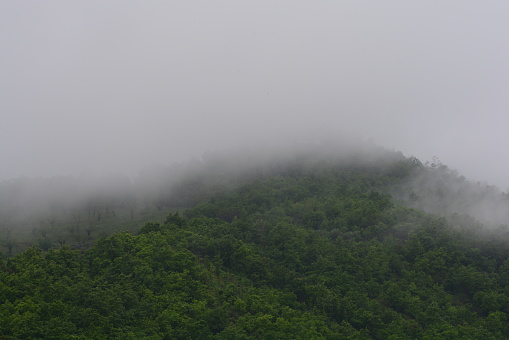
x=308 y=247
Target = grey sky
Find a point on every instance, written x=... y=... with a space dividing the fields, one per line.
x=111 y=85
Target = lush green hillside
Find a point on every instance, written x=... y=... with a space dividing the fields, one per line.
x=309 y=246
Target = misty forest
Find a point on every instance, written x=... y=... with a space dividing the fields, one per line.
x=254 y=169
x=319 y=241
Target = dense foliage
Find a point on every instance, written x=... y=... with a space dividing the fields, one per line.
x=307 y=250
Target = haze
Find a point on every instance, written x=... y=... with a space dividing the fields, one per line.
x=111 y=86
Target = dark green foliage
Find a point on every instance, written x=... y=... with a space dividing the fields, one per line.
x=314 y=251
x=175 y=219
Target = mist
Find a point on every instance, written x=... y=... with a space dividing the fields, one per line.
x=112 y=87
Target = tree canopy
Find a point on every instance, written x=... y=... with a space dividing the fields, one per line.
x=305 y=249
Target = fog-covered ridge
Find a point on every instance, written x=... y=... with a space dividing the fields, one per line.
x=438 y=189
x=85 y=205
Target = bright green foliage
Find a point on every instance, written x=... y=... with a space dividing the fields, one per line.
x=309 y=253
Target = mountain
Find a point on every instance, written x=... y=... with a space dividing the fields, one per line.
x=326 y=242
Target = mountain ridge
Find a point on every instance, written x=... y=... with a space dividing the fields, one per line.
x=305 y=246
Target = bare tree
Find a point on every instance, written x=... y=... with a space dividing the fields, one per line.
x=90 y=227
x=9 y=241
x=44 y=240
x=61 y=236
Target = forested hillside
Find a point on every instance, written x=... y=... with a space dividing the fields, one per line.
x=321 y=244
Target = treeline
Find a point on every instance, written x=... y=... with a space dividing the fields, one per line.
x=310 y=248
x=436 y=188
x=76 y=211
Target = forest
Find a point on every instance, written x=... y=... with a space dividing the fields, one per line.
x=321 y=243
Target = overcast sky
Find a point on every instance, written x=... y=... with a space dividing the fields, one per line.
x=106 y=86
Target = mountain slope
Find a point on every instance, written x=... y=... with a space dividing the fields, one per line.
x=310 y=246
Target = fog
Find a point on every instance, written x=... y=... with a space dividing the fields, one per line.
x=100 y=87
